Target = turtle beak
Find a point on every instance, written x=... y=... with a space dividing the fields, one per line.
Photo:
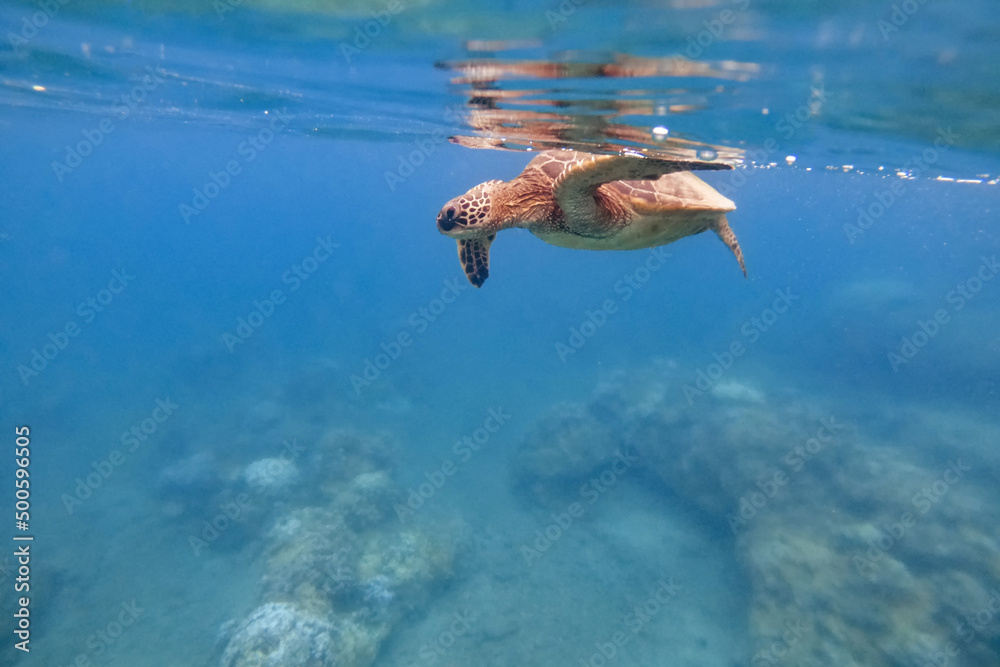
x=446 y=220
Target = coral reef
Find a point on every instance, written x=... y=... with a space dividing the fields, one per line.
x=412 y=559
x=366 y=500
x=278 y=635
x=870 y=545
x=306 y=559
x=271 y=476
x=337 y=576
x=569 y=443
x=343 y=454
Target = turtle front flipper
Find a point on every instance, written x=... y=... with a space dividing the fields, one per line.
x=725 y=233
x=474 y=254
x=575 y=187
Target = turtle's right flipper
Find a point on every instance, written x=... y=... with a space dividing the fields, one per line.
x=474 y=254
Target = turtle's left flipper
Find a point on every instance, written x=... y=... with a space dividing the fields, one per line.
x=588 y=174
x=474 y=254
x=575 y=187
x=725 y=233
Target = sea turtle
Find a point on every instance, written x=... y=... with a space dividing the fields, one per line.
x=592 y=202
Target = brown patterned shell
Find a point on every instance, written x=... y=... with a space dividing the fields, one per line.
x=625 y=203
x=640 y=179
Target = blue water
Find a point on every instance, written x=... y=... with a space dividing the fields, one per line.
x=236 y=310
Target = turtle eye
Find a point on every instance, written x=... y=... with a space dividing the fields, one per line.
x=451 y=213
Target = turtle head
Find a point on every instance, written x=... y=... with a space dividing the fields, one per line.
x=469 y=215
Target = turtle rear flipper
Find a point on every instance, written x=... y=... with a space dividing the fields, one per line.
x=474 y=254
x=725 y=232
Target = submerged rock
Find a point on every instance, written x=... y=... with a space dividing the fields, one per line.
x=339 y=575
x=367 y=500
x=861 y=549
x=411 y=558
x=309 y=560
x=342 y=455
x=281 y=635
x=566 y=444
x=737 y=391
x=271 y=476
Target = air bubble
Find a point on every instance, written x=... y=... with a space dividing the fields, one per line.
x=707 y=154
